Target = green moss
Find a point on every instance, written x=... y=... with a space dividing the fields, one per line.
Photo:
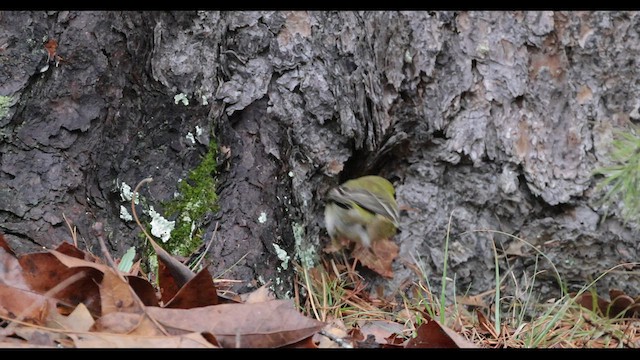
x=197 y=196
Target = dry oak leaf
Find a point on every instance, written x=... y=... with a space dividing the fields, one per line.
x=261 y=294
x=379 y=257
x=197 y=292
x=620 y=304
x=140 y=286
x=380 y=329
x=126 y=323
x=25 y=280
x=268 y=324
x=116 y=295
x=79 y=320
x=103 y=340
x=434 y=335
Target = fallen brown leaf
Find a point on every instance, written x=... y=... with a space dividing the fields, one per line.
x=43 y=271
x=260 y=325
x=486 y=325
x=72 y=261
x=4 y=245
x=395 y=341
x=368 y=343
x=197 y=292
x=11 y=270
x=261 y=294
x=103 y=340
x=434 y=335
x=126 y=323
x=31 y=307
x=379 y=257
x=303 y=344
x=38 y=337
x=620 y=303
x=180 y=273
x=614 y=293
x=78 y=320
x=476 y=300
x=117 y=323
x=598 y=305
x=336 y=245
x=13 y=343
x=116 y=295
x=74 y=258
x=623 y=303
x=210 y=338
x=356 y=334
x=70 y=250
x=380 y=329
x=168 y=286
x=143 y=288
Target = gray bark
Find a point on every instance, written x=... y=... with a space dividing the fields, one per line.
x=493 y=119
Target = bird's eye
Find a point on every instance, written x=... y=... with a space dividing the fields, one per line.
x=343 y=205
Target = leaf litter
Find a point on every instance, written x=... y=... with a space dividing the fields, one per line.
x=69 y=298
x=100 y=306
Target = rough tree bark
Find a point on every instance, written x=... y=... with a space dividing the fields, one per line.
x=494 y=120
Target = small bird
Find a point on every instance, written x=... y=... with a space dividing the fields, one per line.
x=363 y=210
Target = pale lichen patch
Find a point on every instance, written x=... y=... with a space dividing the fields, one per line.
x=160 y=227
x=283 y=256
x=124 y=214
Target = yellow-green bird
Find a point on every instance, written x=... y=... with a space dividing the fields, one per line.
x=363 y=210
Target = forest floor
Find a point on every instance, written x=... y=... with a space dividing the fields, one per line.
x=69 y=298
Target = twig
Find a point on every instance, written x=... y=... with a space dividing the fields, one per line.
x=73 y=231
x=206 y=249
x=232 y=266
x=325 y=306
x=310 y=291
x=181 y=273
x=133 y=206
x=135 y=296
x=336 y=340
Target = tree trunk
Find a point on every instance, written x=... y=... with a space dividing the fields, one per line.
x=482 y=120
